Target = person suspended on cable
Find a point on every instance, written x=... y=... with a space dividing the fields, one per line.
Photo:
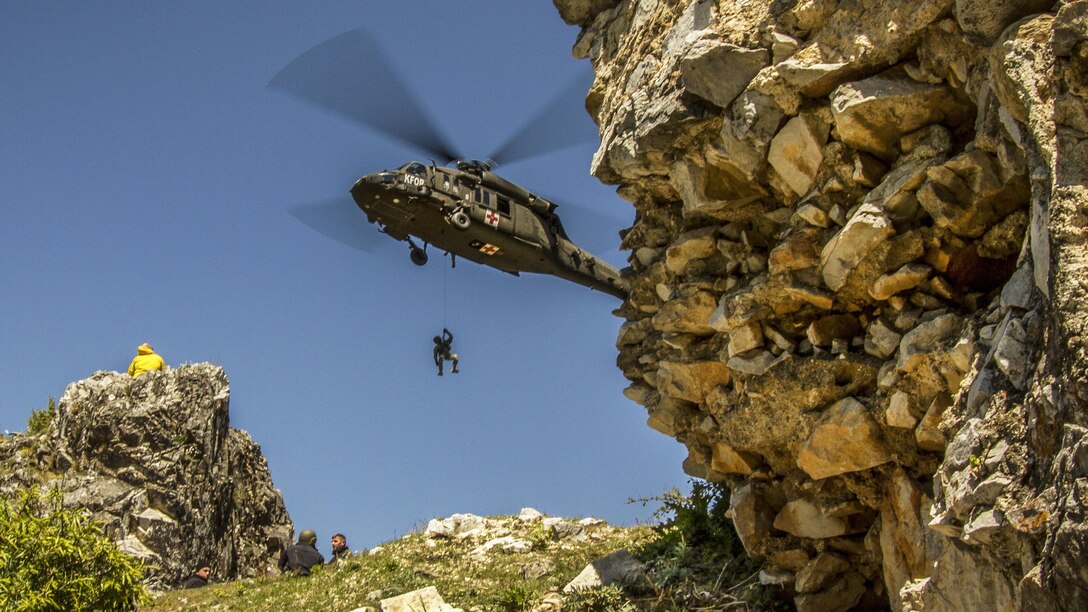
x=443 y=346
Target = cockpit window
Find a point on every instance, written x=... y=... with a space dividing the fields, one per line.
x=415 y=168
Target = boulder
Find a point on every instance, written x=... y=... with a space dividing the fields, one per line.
x=865 y=230
x=820 y=572
x=797 y=151
x=906 y=277
x=458 y=526
x=752 y=517
x=154 y=459
x=696 y=244
x=728 y=460
x=426 y=599
x=718 y=72
x=619 y=568
x=805 y=519
x=969 y=193
x=691 y=381
x=845 y=439
x=984 y=20
x=689 y=314
x=873 y=114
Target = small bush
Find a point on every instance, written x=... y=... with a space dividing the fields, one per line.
x=514 y=597
x=604 y=599
x=53 y=558
x=697 y=560
x=40 y=420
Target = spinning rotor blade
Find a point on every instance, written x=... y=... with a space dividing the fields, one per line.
x=586 y=226
x=348 y=75
x=339 y=219
x=552 y=128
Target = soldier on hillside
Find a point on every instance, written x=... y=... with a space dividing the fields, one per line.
x=199 y=577
x=299 y=558
x=340 y=550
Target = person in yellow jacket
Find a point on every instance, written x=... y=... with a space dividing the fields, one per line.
x=145 y=361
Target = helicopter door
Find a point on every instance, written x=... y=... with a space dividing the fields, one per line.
x=495 y=208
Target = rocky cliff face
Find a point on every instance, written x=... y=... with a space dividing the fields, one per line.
x=858 y=274
x=155 y=460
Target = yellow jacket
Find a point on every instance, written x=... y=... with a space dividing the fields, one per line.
x=145 y=361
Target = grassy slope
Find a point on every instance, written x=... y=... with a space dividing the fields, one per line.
x=494 y=582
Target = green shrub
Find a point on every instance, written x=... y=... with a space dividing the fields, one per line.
x=603 y=599
x=697 y=560
x=514 y=597
x=698 y=521
x=53 y=558
x=39 y=420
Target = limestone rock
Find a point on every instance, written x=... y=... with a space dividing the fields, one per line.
x=899 y=413
x=728 y=460
x=907 y=277
x=968 y=194
x=752 y=516
x=873 y=114
x=155 y=460
x=805 y=519
x=458 y=526
x=617 y=568
x=691 y=381
x=687 y=314
x=797 y=151
x=985 y=19
x=718 y=72
x=426 y=599
x=819 y=573
x=846 y=439
x=696 y=244
x=865 y=230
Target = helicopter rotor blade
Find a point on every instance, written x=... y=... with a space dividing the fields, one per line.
x=589 y=225
x=340 y=220
x=349 y=75
x=551 y=128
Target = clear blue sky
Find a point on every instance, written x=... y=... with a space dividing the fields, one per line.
x=147 y=174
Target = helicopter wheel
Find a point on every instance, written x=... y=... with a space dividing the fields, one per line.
x=461 y=220
x=417 y=255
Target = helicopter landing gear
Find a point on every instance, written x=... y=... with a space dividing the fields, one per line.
x=460 y=219
x=416 y=254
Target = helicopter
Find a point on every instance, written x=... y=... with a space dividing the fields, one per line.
x=464 y=208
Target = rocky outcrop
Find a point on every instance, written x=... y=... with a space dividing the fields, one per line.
x=154 y=459
x=858 y=281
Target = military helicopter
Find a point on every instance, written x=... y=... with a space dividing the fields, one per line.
x=465 y=208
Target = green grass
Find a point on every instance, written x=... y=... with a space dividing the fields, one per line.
x=489 y=582
x=683 y=575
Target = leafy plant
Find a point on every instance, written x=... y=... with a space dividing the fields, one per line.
x=53 y=558
x=541 y=536
x=604 y=599
x=697 y=560
x=514 y=597
x=39 y=420
x=697 y=522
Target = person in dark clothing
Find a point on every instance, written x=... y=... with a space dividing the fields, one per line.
x=442 y=347
x=199 y=578
x=299 y=558
x=340 y=550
